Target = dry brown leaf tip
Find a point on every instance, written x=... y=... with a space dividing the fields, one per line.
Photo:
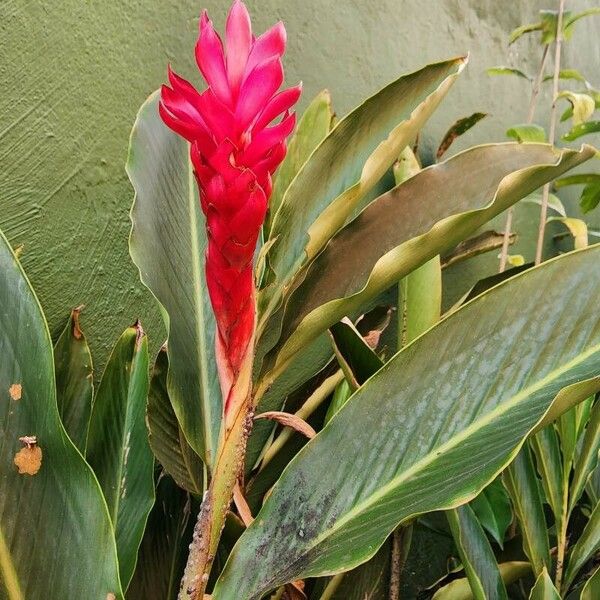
x=28 y=460
x=15 y=391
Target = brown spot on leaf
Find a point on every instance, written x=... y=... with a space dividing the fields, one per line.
x=15 y=391
x=77 y=333
x=139 y=334
x=28 y=460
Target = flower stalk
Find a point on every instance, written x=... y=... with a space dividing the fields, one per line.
x=237 y=130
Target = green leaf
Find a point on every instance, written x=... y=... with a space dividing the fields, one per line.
x=591 y=590
x=463 y=415
x=587 y=458
x=523 y=29
x=74 y=380
x=411 y=224
x=356 y=358
x=578 y=179
x=587 y=544
x=544 y=588
x=493 y=509
x=166 y=438
x=529 y=132
x=163 y=551
x=56 y=538
x=508 y=71
x=583 y=106
x=167 y=244
x=582 y=129
x=346 y=165
x=521 y=482
x=476 y=555
x=117 y=445
x=577 y=228
x=546 y=447
x=568 y=74
x=590 y=197
x=312 y=128
x=459 y=589
x=459 y=128
x=554 y=202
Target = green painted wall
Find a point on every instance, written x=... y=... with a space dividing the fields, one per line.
x=73 y=73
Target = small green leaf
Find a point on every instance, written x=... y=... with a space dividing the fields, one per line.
x=546 y=447
x=544 y=588
x=590 y=197
x=578 y=179
x=529 y=132
x=567 y=74
x=356 y=358
x=459 y=128
x=74 y=380
x=577 y=228
x=508 y=71
x=523 y=29
x=494 y=511
x=582 y=129
x=117 y=446
x=166 y=437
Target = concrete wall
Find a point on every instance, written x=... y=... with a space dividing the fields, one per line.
x=73 y=73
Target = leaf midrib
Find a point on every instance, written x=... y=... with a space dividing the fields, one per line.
x=432 y=455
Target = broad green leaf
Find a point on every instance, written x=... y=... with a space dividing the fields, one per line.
x=166 y=438
x=577 y=228
x=340 y=396
x=583 y=106
x=494 y=511
x=588 y=456
x=167 y=244
x=312 y=128
x=346 y=165
x=356 y=358
x=578 y=179
x=428 y=214
x=591 y=590
x=476 y=555
x=529 y=132
x=464 y=416
x=117 y=444
x=459 y=128
x=521 y=482
x=459 y=589
x=164 y=547
x=590 y=197
x=500 y=70
x=56 y=537
x=587 y=544
x=582 y=129
x=74 y=380
x=544 y=588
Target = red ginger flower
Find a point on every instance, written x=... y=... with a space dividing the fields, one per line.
x=234 y=152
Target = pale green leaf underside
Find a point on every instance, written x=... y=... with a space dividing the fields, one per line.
x=167 y=244
x=435 y=425
x=426 y=215
x=56 y=538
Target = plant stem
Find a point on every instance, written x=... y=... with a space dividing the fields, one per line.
x=401 y=539
x=562 y=534
x=552 y=131
x=211 y=518
x=332 y=586
x=535 y=92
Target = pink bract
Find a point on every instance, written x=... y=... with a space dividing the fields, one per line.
x=235 y=148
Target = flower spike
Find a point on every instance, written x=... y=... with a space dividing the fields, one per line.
x=237 y=129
